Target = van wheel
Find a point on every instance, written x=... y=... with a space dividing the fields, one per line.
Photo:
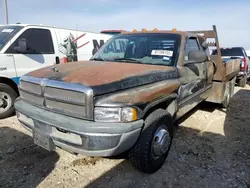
x=243 y=81
x=7 y=98
x=154 y=143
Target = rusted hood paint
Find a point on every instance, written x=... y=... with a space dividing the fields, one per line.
x=140 y=95
x=105 y=77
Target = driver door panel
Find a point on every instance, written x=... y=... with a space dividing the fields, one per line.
x=193 y=79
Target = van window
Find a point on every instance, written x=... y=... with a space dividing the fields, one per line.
x=39 y=41
x=6 y=34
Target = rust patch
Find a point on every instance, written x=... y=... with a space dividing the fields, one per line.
x=64 y=68
x=142 y=94
x=91 y=73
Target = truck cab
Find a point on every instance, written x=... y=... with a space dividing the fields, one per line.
x=127 y=96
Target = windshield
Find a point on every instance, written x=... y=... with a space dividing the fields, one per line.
x=146 y=48
x=6 y=33
x=230 y=52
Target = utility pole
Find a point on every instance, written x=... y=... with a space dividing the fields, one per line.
x=6 y=12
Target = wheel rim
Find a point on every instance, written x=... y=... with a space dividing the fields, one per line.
x=161 y=142
x=5 y=102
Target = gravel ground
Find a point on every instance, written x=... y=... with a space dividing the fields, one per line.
x=211 y=148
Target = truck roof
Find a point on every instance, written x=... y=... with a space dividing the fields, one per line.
x=173 y=31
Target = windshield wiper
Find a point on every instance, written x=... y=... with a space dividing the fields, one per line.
x=97 y=59
x=127 y=59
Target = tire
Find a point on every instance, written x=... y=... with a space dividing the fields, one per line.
x=229 y=92
x=226 y=100
x=143 y=154
x=232 y=86
x=7 y=98
x=243 y=81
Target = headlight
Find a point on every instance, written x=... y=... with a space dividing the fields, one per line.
x=103 y=114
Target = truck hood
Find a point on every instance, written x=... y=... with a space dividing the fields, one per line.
x=106 y=77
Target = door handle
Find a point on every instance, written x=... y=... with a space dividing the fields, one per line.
x=9 y=55
x=57 y=60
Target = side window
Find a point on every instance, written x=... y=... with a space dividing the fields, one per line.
x=39 y=41
x=191 y=45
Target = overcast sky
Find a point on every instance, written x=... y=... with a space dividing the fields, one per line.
x=230 y=17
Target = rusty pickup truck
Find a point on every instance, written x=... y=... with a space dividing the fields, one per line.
x=127 y=96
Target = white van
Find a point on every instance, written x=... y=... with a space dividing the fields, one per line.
x=24 y=48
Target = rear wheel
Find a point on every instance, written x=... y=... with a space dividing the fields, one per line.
x=229 y=92
x=151 y=149
x=243 y=81
x=7 y=98
x=226 y=100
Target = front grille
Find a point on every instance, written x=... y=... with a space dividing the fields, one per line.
x=31 y=87
x=65 y=95
x=38 y=100
x=69 y=109
x=69 y=99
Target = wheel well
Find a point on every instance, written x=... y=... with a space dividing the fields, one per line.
x=163 y=105
x=9 y=82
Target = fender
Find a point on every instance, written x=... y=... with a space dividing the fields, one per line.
x=168 y=102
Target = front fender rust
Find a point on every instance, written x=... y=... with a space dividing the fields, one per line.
x=140 y=95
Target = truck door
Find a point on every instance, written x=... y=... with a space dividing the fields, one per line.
x=39 y=52
x=193 y=79
x=7 y=67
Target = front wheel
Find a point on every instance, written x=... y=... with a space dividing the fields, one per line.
x=7 y=98
x=151 y=149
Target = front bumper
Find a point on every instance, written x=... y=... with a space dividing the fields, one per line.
x=76 y=135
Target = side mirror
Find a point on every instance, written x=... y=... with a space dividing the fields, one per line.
x=22 y=46
x=197 y=56
x=204 y=45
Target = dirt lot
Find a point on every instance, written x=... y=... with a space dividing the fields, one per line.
x=211 y=149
